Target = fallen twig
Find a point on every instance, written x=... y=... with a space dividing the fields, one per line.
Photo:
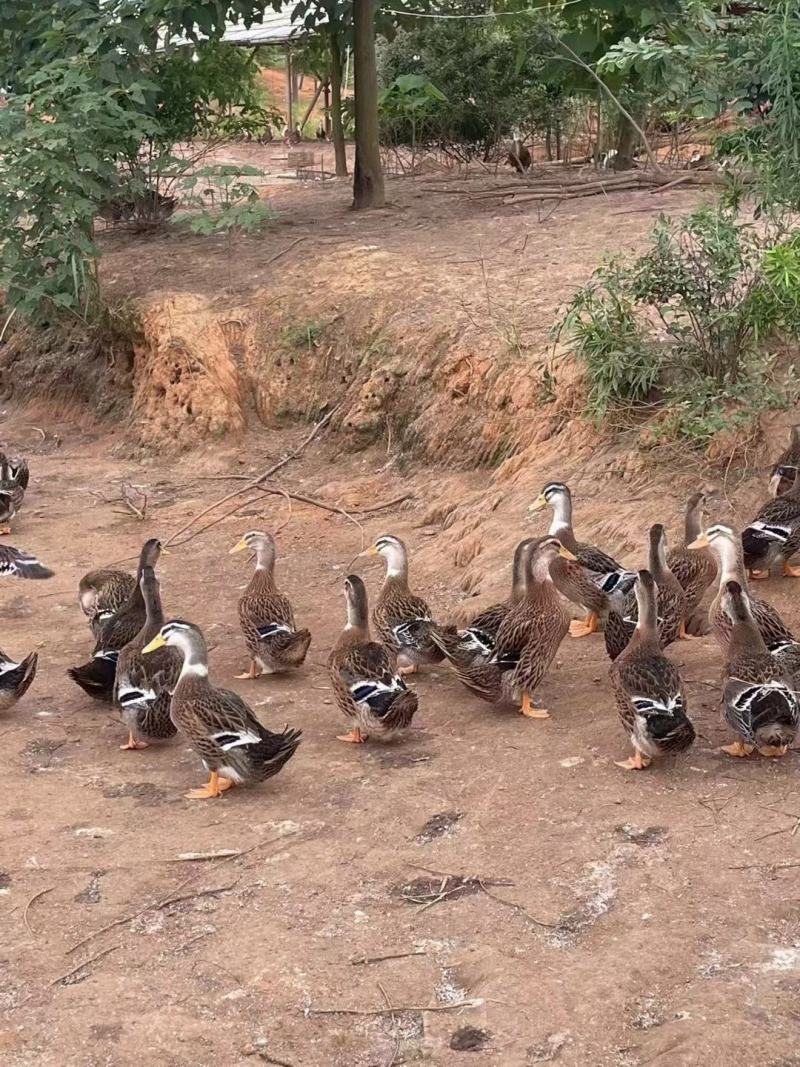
x=396 y=1008
x=396 y=1050
x=193 y=857
x=766 y=866
x=519 y=909
x=283 y=251
x=358 y=960
x=129 y=494
x=314 y=503
x=33 y=899
x=92 y=959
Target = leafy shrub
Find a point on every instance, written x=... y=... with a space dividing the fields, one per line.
x=686 y=322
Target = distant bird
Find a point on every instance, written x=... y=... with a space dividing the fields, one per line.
x=17 y=563
x=774 y=535
x=13 y=483
x=784 y=471
x=321 y=134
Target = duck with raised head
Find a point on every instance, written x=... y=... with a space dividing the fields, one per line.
x=101 y=593
x=143 y=685
x=97 y=676
x=402 y=619
x=695 y=568
x=784 y=472
x=726 y=544
x=369 y=691
x=17 y=563
x=474 y=644
x=648 y=687
x=774 y=535
x=759 y=698
x=266 y=615
x=234 y=746
x=670 y=603
x=601 y=583
x=528 y=638
x=14 y=477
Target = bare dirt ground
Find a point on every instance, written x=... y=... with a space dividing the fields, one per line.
x=611 y=918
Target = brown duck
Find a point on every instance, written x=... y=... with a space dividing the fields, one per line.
x=784 y=472
x=695 y=568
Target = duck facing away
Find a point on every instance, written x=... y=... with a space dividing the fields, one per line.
x=368 y=688
x=234 y=746
x=402 y=619
x=784 y=472
x=15 y=678
x=101 y=593
x=695 y=568
x=474 y=645
x=726 y=545
x=143 y=685
x=774 y=535
x=608 y=581
x=13 y=483
x=648 y=688
x=670 y=603
x=760 y=704
x=97 y=676
x=17 y=563
x=266 y=615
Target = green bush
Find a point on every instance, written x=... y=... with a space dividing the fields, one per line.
x=686 y=323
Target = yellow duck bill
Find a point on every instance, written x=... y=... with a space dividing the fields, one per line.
x=157 y=642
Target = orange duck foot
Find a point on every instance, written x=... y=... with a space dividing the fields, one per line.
x=530 y=712
x=636 y=762
x=215 y=787
x=790 y=572
x=738 y=748
x=758 y=576
x=355 y=737
x=583 y=627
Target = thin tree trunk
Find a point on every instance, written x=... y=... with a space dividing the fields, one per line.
x=337 y=135
x=368 y=190
x=289 y=90
x=626 y=143
x=326 y=101
x=310 y=108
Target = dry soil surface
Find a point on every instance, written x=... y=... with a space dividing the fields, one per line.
x=606 y=918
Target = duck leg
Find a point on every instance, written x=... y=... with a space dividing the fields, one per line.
x=530 y=712
x=252 y=673
x=757 y=575
x=738 y=748
x=5 y=528
x=355 y=737
x=215 y=787
x=410 y=668
x=584 y=627
x=684 y=635
x=636 y=762
x=789 y=571
x=774 y=751
x=133 y=743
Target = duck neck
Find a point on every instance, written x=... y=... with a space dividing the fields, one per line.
x=396 y=564
x=195 y=659
x=745 y=635
x=731 y=563
x=357 y=627
x=657 y=559
x=693 y=523
x=647 y=623
x=264 y=573
x=154 y=613
x=561 y=523
x=519 y=576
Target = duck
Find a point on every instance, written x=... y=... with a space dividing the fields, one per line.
x=15 y=678
x=143 y=685
x=101 y=593
x=671 y=600
x=19 y=563
x=97 y=676
x=402 y=619
x=784 y=472
x=369 y=691
x=527 y=640
x=236 y=749
x=474 y=644
x=726 y=545
x=695 y=568
x=758 y=696
x=13 y=483
x=266 y=615
x=774 y=534
x=648 y=688
x=608 y=581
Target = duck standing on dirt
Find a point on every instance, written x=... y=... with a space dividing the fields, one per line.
x=15 y=678
x=774 y=534
x=474 y=645
x=17 y=563
x=670 y=604
x=370 y=692
x=143 y=685
x=695 y=568
x=760 y=703
x=608 y=581
x=402 y=619
x=784 y=472
x=726 y=545
x=234 y=746
x=648 y=688
x=97 y=676
x=101 y=593
x=266 y=615
x=13 y=483
x=528 y=638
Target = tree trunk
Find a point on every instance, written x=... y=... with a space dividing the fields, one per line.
x=626 y=143
x=326 y=98
x=337 y=134
x=368 y=188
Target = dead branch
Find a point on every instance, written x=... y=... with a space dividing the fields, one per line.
x=135 y=500
x=395 y=1009
x=359 y=960
x=283 y=251
x=92 y=959
x=33 y=899
x=316 y=504
x=214 y=522
x=766 y=866
x=396 y=1050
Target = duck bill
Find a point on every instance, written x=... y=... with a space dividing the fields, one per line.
x=371 y=551
x=566 y=554
x=240 y=546
x=539 y=504
x=699 y=542
x=157 y=642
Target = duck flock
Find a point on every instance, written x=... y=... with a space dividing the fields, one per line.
x=155 y=671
